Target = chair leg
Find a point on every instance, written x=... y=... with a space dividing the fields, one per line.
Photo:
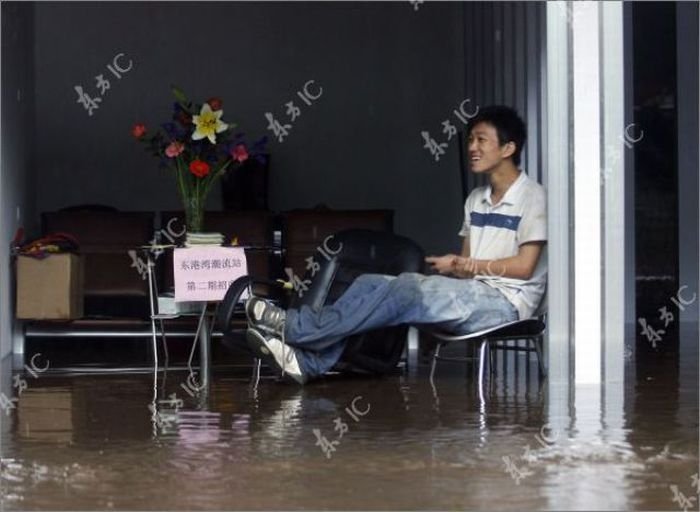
x=154 y=344
x=540 y=355
x=255 y=379
x=256 y=372
x=434 y=363
x=483 y=352
x=412 y=348
x=164 y=342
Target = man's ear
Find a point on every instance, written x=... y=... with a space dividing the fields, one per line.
x=508 y=149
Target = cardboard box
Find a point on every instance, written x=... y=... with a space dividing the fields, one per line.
x=45 y=414
x=50 y=289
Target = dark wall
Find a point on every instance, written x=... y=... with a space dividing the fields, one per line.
x=387 y=71
x=688 y=162
x=17 y=184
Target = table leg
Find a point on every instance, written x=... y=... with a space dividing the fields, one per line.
x=205 y=354
x=151 y=301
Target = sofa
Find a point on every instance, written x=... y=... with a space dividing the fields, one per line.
x=116 y=293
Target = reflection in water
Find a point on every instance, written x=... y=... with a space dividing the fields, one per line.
x=118 y=442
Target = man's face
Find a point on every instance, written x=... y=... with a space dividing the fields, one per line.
x=485 y=153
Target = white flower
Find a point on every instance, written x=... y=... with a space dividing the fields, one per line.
x=208 y=124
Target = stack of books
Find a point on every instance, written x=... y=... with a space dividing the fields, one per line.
x=168 y=306
x=197 y=239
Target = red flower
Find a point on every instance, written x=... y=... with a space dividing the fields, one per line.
x=138 y=130
x=215 y=103
x=199 y=168
x=239 y=153
x=183 y=118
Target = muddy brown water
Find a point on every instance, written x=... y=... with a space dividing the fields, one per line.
x=132 y=442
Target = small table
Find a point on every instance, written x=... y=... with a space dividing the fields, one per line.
x=203 y=333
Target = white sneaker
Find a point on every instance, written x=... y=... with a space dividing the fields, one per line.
x=264 y=316
x=276 y=354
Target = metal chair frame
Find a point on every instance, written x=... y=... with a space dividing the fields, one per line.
x=531 y=330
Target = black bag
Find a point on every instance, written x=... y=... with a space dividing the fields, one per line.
x=351 y=253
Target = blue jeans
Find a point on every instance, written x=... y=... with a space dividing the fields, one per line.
x=375 y=300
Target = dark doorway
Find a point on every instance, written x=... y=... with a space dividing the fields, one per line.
x=656 y=180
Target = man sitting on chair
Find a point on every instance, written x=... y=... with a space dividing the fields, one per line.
x=499 y=277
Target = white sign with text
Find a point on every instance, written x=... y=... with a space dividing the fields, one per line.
x=205 y=273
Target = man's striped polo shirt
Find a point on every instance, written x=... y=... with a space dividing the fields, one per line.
x=497 y=231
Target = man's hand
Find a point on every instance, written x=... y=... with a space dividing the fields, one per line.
x=464 y=267
x=442 y=264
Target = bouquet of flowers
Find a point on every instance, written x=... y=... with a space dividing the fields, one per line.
x=199 y=147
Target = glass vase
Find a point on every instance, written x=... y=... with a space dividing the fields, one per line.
x=194 y=214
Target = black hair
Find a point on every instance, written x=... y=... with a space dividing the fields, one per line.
x=508 y=124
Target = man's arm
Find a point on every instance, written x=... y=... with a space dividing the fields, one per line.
x=520 y=266
x=465 y=247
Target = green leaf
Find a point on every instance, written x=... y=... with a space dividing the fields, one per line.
x=179 y=95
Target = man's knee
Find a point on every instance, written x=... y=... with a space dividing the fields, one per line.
x=406 y=287
x=372 y=280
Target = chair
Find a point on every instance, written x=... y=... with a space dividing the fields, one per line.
x=114 y=288
x=363 y=251
x=531 y=329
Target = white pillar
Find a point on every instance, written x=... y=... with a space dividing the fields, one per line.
x=587 y=213
x=618 y=140
x=586 y=141
x=586 y=150
x=558 y=164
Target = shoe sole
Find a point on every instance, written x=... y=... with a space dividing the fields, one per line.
x=256 y=343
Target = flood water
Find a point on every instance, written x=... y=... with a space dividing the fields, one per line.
x=143 y=442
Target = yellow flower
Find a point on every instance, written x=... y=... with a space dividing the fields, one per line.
x=208 y=124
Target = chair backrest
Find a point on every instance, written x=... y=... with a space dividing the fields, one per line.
x=114 y=285
x=305 y=230
x=355 y=252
